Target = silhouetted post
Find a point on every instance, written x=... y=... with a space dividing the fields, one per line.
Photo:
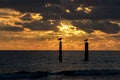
x=60 y=49
x=86 y=51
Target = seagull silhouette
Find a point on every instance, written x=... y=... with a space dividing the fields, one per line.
x=86 y=40
x=59 y=38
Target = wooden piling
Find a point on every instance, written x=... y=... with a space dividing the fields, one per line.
x=60 y=50
x=86 y=57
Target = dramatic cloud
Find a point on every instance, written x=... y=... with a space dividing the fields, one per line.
x=31 y=16
x=102 y=25
x=8 y=17
x=37 y=24
x=42 y=40
x=11 y=28
x=69 y=9
x=41 y=25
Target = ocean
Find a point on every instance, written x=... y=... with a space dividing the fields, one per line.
x=44 y=65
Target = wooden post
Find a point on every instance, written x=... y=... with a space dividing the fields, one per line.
x=86 y=57
x=60 y=49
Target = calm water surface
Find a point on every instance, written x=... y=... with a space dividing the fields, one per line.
x=11 y=61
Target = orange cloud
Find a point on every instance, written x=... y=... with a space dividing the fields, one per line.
x=40 y=39
x=47 y=40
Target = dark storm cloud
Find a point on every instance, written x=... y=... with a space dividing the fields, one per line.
x=50 y=16
x=30 y=3
x=26 y=17
x=98 y=13
x=104 y=8
x=11 y=28
x=104 y=26
x=40 y=25
x=25 y=3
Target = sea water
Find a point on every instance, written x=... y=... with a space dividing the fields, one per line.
x=47 y=61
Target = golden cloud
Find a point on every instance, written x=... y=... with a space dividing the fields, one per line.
x=85 y=9
x=73 y=36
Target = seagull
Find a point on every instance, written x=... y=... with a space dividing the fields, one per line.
x=59 y=38
x=86 y=40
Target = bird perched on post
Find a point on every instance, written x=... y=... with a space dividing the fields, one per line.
x=86 y=40
x=59 y=38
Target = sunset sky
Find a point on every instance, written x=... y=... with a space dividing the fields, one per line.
x=37 y=24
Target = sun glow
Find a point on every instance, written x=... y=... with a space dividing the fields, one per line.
x=33 y=31
x=67 y=28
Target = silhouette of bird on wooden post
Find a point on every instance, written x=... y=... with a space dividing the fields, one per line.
x=86 y=40
x=59 y=38
x=60 y=49
x=86 y=57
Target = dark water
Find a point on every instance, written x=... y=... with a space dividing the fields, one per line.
x=32 y=61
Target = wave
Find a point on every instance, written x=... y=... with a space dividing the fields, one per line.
x=41 y=74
